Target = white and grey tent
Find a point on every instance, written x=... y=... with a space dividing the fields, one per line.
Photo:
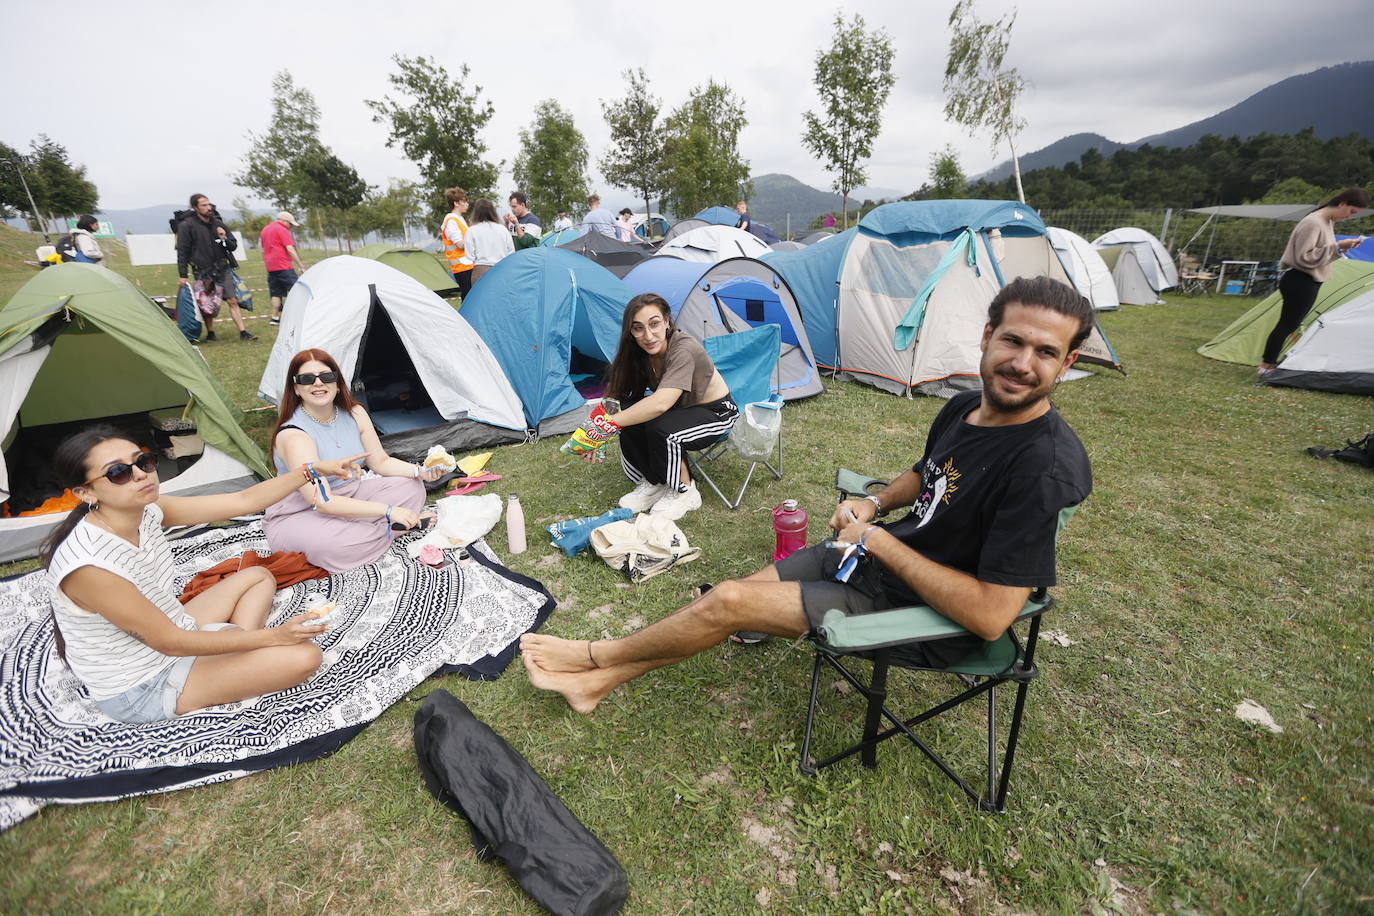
x=1140 y=265
x=1336 y=353
x=1087 y=270
x=424 y=375
x=710 y=244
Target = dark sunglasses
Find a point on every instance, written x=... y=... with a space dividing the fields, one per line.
x=121 y=473
x=308 y=378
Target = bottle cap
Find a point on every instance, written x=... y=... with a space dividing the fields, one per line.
x=789 y=505
x=514 y=497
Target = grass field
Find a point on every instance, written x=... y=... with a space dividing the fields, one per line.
x=1215 y=562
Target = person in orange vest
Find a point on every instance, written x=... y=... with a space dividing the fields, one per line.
x=454 y=236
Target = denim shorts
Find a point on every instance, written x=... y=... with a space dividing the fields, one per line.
x=153 y=700
x=279 y=282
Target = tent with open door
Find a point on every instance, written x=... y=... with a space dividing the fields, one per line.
x=709 y=244
x=422 y=265
x=735 y=294
x=899 y=301
x=80 y=345
x=616 y=256
x=424 y=375
x=1140 y=265
x=1087 y=270
x=552 y=318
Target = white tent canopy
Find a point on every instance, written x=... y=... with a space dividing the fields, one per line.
x=712 y=244
x=1087 y=270
x=1335 y=353
x=1143 y=267
x=330 y=308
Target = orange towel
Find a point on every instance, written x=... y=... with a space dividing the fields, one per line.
x=289 y=567
x=64 y=503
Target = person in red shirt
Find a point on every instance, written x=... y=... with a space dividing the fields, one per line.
x=281 y=260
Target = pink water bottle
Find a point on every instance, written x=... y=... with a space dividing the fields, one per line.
x=789 y=522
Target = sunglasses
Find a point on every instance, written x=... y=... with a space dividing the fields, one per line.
x=308 y=378
x=121 y=473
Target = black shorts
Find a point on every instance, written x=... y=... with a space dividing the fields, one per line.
x=813 y=568
x=279 y=282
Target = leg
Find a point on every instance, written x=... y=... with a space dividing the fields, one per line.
x=216 y=679
x=770 y=606
x=1299 y=292
x=276 y=307
x=243 y=599
x=235 y=314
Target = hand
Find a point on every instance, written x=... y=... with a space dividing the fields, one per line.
x=299 y=629
x=182 y=281
x=219 y=230
x=400 y=515
x=342 y=468
x=852 y=532
x=1347 y=244
x=430 y=473
x=851 y=511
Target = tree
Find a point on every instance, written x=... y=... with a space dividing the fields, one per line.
x=634 y=160
x=853 y=79
x=58 y=187
x=980 y=94
x=249 y=223
x=947 y=179
x=332 y=187
x=701 y=151
x=270 y=165
x=391 y=211
x=552 y=165
x=438 y=127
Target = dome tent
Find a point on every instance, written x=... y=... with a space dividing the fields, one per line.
x=80 y=344
x=709 y=244
x=1140 y=265
x=413 y=262
x=616 y=256
x=1087 y=270
x=395 y=342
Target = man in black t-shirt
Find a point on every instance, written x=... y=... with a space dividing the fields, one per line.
x=984 y=501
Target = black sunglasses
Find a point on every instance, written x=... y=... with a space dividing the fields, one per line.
x=121 y=473
x=308 y=378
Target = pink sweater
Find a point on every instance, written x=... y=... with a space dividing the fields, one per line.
x=1312 y=247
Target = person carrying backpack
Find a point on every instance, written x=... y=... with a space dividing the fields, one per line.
x=203 y=243
x=79 y=245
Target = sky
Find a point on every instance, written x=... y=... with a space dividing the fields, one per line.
x=155 y=99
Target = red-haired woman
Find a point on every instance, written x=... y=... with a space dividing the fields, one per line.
x=342 y=527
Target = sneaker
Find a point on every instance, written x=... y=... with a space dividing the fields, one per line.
x=211 y=336
x=244 y=335
x=674 y=506
x=643 y=497
x=275 y=321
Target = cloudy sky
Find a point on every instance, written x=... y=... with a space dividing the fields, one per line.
x=155 y=98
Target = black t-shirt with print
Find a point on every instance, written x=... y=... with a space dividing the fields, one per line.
x=990 y=497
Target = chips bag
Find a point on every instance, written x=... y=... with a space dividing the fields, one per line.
x=591 y=437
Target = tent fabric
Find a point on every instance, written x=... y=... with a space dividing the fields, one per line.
x=854 y=290
x=719 y=216
x=684 y=226
x=616 y=256
x=709 y=244
x=413 y=262
x=561 y=237
x=1242 y=341
x=820 y=235
x=533 y=308
x=765 y=233
x=340 y=302
x=1361 y=252
x=1335 y=353
x=1087 y=270
x=1143 y=268
x=80 y=342
x=787 y=246
x=735 y=294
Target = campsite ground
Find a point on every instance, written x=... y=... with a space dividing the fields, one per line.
x=1214 y=563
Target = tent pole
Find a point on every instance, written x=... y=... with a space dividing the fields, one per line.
x=1210 y=239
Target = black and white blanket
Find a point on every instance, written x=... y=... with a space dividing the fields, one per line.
x=397 y=623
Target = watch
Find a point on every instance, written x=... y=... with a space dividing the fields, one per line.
x=877 y=503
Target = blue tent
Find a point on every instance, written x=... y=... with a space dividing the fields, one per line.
x=1361 y=252
x=533 y=309
x=814 y=275
x=719 y=216
x=561 y=237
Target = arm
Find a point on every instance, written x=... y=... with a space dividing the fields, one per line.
x=183 y=252
x=296 y=261
x=191 y=510
x=643 y=411
x=377 y=459
x=87 y=246
x=902 y=492
x=116 y=599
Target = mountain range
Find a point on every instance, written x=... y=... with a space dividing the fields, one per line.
x=1333 y=101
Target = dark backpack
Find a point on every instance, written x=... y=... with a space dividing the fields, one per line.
x=66 y=247
x=1359 y=452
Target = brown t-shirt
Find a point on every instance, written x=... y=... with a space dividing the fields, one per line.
x=686 y=366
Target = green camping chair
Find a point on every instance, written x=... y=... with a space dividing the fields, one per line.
x=748 y=361
x=880 y=638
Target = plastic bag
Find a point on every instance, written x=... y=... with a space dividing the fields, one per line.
x=756 y=431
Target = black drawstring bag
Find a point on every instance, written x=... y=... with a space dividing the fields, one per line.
x=512 y=814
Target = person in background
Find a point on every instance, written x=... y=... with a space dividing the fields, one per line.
x=828 y=222
x=597 y=219
x=1307 y=259
x=487 y=240
x=624 y=231
x=562 y=222
x=742 y=209
x=453 y=233
x=140 y=654
x=281 y=260
x=342 y=527
x=688 y=407
x=203 y=243
x=524 y=225
x=86 y=247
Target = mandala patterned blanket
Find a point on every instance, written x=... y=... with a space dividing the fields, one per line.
x=398 y=622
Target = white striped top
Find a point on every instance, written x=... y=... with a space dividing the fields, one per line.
x=106 y=659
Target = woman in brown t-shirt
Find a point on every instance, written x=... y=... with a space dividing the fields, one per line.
x=672 y=398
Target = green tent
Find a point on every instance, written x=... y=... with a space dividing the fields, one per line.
x=1243 y=340
x=78 y=344
x=415 y=263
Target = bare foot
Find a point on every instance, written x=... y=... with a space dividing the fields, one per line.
x=579 y=690
x=554 y=654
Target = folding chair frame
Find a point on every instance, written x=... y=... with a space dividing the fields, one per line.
x=714 y=451
x=997 y=775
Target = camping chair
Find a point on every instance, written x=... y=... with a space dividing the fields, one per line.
x=1194 y=279
x=748 y=361
x=880 y=637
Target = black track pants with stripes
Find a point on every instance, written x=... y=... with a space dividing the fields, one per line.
x=652 y=451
